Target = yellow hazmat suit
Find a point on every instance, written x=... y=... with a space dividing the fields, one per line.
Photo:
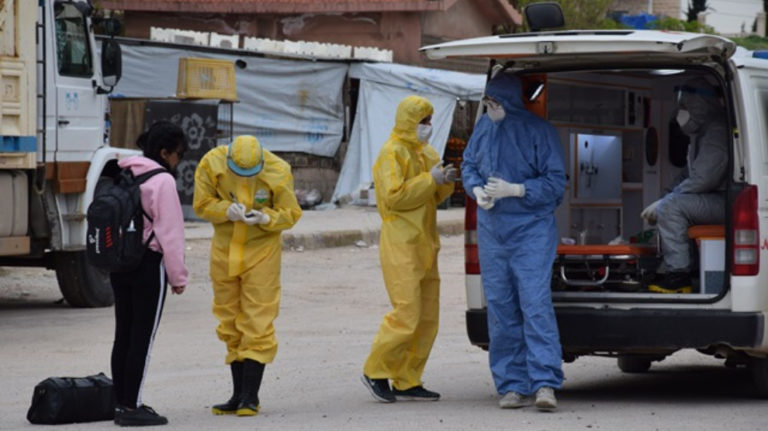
x=245 y=259
x=407 y=198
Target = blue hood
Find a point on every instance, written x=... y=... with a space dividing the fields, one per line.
x=507 y=90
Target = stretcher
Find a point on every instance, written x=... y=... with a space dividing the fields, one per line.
x=608 y=267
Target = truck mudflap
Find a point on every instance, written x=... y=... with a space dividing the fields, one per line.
x=584 y=330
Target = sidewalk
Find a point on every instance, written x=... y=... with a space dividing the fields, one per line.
x=338 y=227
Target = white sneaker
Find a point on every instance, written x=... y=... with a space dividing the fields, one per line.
x=514 y=400
x=545 y=399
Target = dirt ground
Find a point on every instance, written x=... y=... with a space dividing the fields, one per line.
x=333 y=301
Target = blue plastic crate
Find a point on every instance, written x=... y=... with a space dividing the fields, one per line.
x=641 y=21
x=18 y=144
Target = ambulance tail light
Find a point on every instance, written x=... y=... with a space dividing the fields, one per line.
x=746 y=233
x=471 y=258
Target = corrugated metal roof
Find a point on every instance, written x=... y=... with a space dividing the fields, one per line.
x=277 y=6
x=500 y=9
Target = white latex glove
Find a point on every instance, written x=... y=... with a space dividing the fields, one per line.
x=483 y=200
x=253 y=217
x=649 y=213
x=236 y=212
x=450 y=173
x=437 y=173
x=498 y=189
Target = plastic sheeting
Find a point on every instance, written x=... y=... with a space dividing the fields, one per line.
x=289 y=105
x=382 y=87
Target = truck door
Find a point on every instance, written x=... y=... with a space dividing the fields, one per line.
x=79 y=114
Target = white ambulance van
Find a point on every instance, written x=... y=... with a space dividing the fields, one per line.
x=611 y=95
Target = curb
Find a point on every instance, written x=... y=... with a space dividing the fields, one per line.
x=342 y=238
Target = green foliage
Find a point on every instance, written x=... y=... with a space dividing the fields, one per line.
x=593 y=14
x=673 y=24
x=580 y=14
x=751 y=42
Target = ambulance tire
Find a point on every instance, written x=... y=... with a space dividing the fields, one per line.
x=759 y=369
x=82 y=284
x=634 y=364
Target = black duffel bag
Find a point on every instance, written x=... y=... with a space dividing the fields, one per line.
x=62 y=400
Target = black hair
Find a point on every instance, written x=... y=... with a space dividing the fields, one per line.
x=162 y=135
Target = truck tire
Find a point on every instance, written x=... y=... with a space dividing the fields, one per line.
x=634 y=364
x=759 y=369
x=82 y=284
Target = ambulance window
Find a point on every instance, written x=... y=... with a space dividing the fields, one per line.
x=72 y=48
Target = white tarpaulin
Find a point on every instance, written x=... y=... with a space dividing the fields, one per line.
x=382 y=87
x=290 y=105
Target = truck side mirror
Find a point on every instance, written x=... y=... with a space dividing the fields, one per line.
x=544 y=15
x=111 y=62
x=112 y=27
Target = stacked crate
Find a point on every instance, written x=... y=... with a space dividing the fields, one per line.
x=454 y=152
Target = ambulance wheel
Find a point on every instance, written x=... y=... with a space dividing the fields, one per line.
x=82 y=284
x=634 y=364
x=759 y=370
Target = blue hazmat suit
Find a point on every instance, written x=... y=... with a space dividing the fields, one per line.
x=517 y=239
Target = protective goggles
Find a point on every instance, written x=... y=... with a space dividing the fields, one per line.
x=701 y=91
x=490 y=103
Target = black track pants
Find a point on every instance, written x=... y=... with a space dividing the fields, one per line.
x=139 y=299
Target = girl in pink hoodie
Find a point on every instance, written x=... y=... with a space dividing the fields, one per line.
x=140 y=294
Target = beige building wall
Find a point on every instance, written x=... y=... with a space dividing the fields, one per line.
x=669 y=8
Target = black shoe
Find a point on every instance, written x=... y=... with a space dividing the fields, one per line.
x=416 y=393
x=138 y=417
x=379 y=389
x=230 y=407
x=674 y=282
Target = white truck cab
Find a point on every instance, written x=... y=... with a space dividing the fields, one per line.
x=610 y=94
x=53 y=152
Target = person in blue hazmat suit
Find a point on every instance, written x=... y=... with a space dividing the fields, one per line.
x=513 y=167
x=697 y=196
x=410 y=182
x=247 y=193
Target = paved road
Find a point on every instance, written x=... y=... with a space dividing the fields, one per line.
x=333 y=300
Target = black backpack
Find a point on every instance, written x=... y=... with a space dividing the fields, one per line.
x=116 y=224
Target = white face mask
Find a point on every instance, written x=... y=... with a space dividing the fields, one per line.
x=496 y=113
x=423 y=132
x=683 y=116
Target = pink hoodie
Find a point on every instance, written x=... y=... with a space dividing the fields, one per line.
x=161 y=201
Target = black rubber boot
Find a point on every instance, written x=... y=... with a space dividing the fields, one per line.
x=230 y=407
x=253 y=371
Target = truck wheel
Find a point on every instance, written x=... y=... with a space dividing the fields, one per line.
x=82 y=284
x=634 y=364
x=759 y=369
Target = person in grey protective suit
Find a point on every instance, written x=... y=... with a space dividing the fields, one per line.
x=697 y=195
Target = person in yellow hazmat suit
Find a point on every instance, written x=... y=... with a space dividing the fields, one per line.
x=247 y=193
x=409 y=181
